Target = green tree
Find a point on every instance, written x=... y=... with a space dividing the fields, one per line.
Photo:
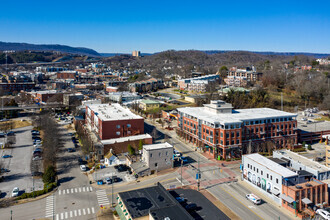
x=223 y=71
x=131 y=150
x=49 y=175
x=140 y=144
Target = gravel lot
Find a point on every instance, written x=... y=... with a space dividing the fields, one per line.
x=19 y=165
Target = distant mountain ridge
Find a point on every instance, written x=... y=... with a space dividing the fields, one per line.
x=48 y=47
x=316 y=55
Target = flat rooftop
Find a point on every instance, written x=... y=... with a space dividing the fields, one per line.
x=157 y=146
x=311 y=183
x=138 y=202
x=303 y=160
x=124 y=139
x=112 y=112
x=237 y=115
x=148 y=101
x=271 y=165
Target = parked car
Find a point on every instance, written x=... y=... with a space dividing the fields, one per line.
x=325 y=214
x=37 y=150
x=37 y=157
x=253 y=198
x=15 y=192
x=37 y=145
x=4 y=170
x=80 y=161
x=7 y=156
x=108 y=180
x=176 y=153
x=191 y=206
x=10 y=133
x=184 y=159
x=71 y=149
x=180 y=199
x=83 y=168
x=121 y=168
x=116 y=179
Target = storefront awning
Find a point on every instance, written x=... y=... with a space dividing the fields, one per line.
x=275 y=192
x=287 y=198
x=306 y=201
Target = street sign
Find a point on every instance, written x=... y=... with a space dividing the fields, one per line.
x=198 y=176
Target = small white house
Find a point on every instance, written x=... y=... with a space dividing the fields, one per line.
x=158 y=156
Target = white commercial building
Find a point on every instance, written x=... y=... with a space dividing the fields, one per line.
x=158 y=156
x=266 y=175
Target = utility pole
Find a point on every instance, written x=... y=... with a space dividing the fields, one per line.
x=199 y=176
x=11 y=214
x=282 y=101
x=111 y=189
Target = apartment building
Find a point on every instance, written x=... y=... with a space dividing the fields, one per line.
x=151 y=84
x=223 y=132
x=240 y=77
x=124 y=97
x=49 y=96
x=113 y=121
x=197 y=84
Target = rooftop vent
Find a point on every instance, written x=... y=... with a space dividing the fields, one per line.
x=308 y=185
x=299 y=187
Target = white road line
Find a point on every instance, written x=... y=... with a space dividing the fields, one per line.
x=91 y=189
x=59 y=192
x=71 y=190
x=76 y=190
x=64 y=191
x=79 y=212
x=83 y=189
x=75 y=212
x=93 y=210
x=57 y=217
x=66 y=215
x=88 y=211
x=79 y=189
x=62 y=216
x=71 y=214
x=84 y=212
x=67 y=191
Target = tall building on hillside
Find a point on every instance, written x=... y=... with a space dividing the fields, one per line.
x=136 y=53
x=224 y=132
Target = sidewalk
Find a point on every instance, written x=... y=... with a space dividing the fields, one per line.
x=267 y=199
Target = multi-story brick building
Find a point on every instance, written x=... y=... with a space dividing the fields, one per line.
x=151 y=84
x=240 y=77
x=113 y=121
x=224 y=132
x=197 y=84
x=49 y=96
x=16 y=87
x=66 y=75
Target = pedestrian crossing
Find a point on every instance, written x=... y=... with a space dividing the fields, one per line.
x=50 y=206
x=75 y=190
x=74 y=213
x=102 y=198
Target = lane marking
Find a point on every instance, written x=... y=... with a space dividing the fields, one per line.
x=57 y=217
x=62 y=215
x=76 y=190
x=66 y=215
x=84 y=212
x=71 y=190
x=93 y=210
x=83 y=189
x=71 y=214
x=75 y=212
x=79 y=189
x=79 y=212
x=68 y=191
x=240 y=202
x=59 y=192
x=91 y=188
x=88 y=211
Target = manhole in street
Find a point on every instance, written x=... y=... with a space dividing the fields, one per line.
x=65 y=207
x=73 y=203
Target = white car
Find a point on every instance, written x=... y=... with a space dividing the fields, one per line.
x=253 y=198
x=83 y=168
x=15 y=192
x=325 y=214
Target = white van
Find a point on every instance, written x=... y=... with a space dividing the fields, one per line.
x=83 y=168
x=253 y=198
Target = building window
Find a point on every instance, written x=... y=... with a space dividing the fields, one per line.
x=117 y=126
x=156 y=164
x=257 y=170
x=159 y=154
x=128 y=125
x=150 y=155
x=262 y=172
x=118 y=133
x=248 y=165
x=276 y=180
x=166 y=153
x=254 y=168
x=271 y=177
x=237 y=134
x=221 y=134
x=267 y=175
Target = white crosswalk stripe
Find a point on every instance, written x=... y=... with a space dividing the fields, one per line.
x=49 y=206
x=75 y=213
x=102 y=198
x=75 y=190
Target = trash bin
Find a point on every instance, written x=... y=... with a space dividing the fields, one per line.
x=90 y=182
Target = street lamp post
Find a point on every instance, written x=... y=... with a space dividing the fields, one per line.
x=11 y=214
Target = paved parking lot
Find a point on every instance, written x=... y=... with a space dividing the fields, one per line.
x=205 y=208
x=111 y=171
x=19 y=164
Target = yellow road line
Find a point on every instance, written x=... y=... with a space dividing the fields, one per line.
x=240 y=202
x=143 y=186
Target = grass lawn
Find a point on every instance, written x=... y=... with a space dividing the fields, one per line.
x=16 y=123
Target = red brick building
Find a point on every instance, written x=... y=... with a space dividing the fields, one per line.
x=111 y=89
x=305 y=196
x=66 y=75
x=224 y=132
x=113 y=121
x=44 y=96
x=12 y=87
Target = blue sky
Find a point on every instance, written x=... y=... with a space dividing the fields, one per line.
x=152 y=26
